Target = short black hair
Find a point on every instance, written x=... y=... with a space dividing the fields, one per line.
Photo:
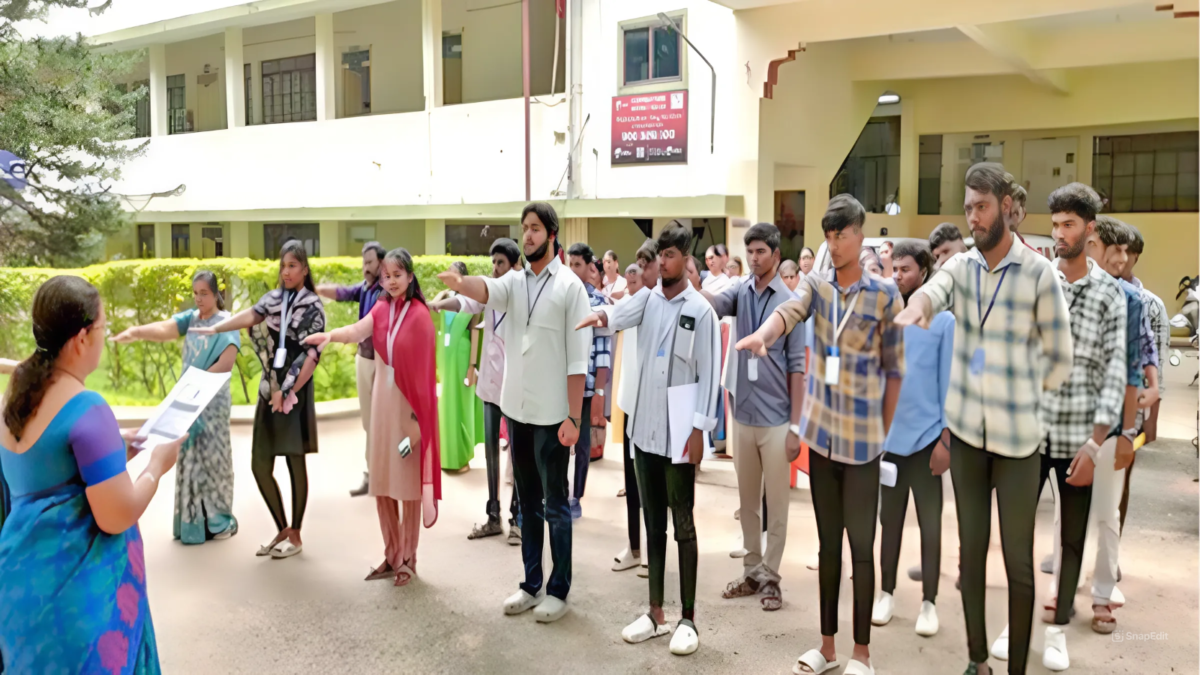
x=1136 y=243
x=1075 y=198
x=583 y=251
x=1019 y=194
x=919 y=251
x=810 y=252
x=647 y=252
x=1111 y=231
x=507 y=248
x=675 y=235
x=940 y=235
x=545 y=213
x=843 y=211
x=764 y=232
x=717 y=250
x=375 y=246
x=461 y=267
x=599 y=265
x=990 y=177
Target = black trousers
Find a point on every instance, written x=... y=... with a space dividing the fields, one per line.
x=583 y=448
x=1074 y=504
x=845 y=497
x=633 y=504
x=976 y=472
x=912 y=473
x=666 y=485
x=491 y=446
x=540 y=474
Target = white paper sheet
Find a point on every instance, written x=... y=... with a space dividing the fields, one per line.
x=181 y=408
x=681 y=409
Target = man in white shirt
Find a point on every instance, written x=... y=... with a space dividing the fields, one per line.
x=545 y=366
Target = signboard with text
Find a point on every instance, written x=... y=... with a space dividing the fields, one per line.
x=650 y=128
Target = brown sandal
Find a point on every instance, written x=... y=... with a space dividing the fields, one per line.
x=772 y=597
x=1104 y=626
x=384 y=571
x=740 y=589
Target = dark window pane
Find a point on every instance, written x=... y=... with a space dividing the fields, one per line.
x=637 y=55
x=1122 y=188
x=1165 y=161
x=1143 y=164
x=1187 y=191
x=1122 y=164
x=666 y=53
x=1122 y=144
x=1102 y=165
x=1104 y=145
x=1144 y=142
x=1187 y=162
x=1143 y=189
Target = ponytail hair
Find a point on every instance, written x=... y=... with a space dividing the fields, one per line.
x=403 y=259
x=211 y=279
x=62 y=307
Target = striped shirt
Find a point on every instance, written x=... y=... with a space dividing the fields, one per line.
x=844 y=422
x=1095 y=390
x=1026 y=343
x=600 y=355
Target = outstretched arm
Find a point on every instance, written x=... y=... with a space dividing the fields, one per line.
x=159 y=331
x=240 y=321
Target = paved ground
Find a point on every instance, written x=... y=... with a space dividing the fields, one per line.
x=219 y=609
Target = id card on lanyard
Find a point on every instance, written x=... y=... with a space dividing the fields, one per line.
x=978 y=358
x=833 y=359
x=285 y=317
x=752 y=361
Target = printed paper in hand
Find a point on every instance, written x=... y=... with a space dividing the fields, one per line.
x=182 y=407
x=681 y=409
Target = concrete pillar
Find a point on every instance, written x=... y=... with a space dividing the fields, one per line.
x=435 y=237
x=158 y=92
x=574 y=231
x=162 y=240
x=235 y=80
x=331 y=238
x=326 y=65
x=910 y=163
x=196 y=240
x=239 y=239
x=431 y=48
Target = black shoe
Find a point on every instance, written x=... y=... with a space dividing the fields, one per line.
x=364 y=488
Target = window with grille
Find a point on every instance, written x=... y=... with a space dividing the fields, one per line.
x=1147 y=172
x=145 y=241
x=289 y=89
x=181 y=241
x=176 y=105
x=249 y=94
x=275 y=235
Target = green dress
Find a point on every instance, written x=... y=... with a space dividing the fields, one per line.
x=457 y=404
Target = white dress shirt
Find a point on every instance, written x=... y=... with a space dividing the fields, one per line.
x=540 y=350
x=716 y=283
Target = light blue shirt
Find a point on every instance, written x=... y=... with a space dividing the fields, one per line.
x=921 y=412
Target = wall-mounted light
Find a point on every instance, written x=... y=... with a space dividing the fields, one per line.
x=889 y=98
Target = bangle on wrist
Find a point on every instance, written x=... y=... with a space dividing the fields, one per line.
x=1090 y=449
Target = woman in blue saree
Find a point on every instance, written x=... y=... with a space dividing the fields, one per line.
x=73 y=586
x=204 y=479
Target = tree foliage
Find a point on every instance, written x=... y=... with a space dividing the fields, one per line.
x=61 y=111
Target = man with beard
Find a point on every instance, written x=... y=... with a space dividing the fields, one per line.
x=768 y=394
x=679 y=344
x=1079 y=415
x=365 y=293
x=1012 y=342
x=545 y=366
x=917 y=444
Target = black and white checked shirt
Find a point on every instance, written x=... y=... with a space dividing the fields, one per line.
x=1095 y=390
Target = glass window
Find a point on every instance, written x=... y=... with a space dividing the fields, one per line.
x=177 y=105
x=145 y=239
x=473 y=239
x=929 y=176
x=637 y=55
x=356 y=83
x=181 y=241
x=289 y=89
x=249 y=94
x=666 y=53
x=871 y=172
x=275 y=235
x=1147 y=172
x=651 y=54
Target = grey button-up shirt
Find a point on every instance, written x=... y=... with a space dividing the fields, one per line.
x=766 y=402
x=679 y=342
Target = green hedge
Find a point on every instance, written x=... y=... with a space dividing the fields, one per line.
x=143 y=291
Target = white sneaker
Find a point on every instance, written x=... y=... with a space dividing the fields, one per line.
x=1000 y=646
x=1055 y=656
x=882 y=613
x=550 y=610
x=927 y=621
x=521 y=602
x=642 y=629
x=685 y=640
x=625 y=561
x=739 y=553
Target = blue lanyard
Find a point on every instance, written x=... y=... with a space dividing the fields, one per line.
x=979 y=296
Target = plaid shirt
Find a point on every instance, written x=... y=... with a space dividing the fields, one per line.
x=1095 y=391
x=600 y=355
x=844 y=422
x=1027 y=342
x=1160 y=325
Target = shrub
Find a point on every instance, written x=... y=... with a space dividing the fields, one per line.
x=144 y=291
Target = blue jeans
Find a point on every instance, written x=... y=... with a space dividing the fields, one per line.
x=540 y=476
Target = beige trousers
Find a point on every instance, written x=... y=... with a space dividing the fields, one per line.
x=760 y=460
x=364 y=370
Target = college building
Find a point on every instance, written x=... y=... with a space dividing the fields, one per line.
x=429 y=123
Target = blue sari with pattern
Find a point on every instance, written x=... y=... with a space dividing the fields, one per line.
x=72 y=598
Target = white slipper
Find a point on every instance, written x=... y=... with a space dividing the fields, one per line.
x=856 y=667
x=644 y=571
x=625 y=561
x=550 y=610
x=686 y=640
x=1055 y=656
x=884 y=606
x=927 y=621
x=285 y=549
x=815 y=662
x=739 y=553
x=522 y=601
x=643 y=629
x=1000 y=646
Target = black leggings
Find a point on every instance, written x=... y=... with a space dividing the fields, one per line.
x=263 y=469
x=583 y=448
x=913 y=473
x=633 y=503
x=668 y=485
x=1074 y=503
x=976 y=473
x=491 y=446
x=845 y=497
